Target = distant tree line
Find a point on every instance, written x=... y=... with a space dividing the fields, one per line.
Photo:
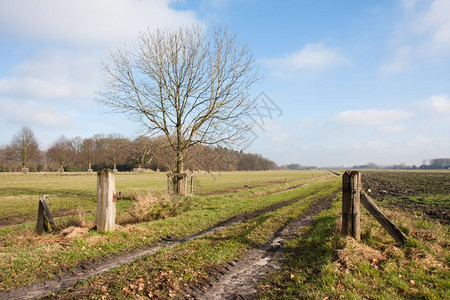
x=435 y=163
x=119 y=152
x=297 y=167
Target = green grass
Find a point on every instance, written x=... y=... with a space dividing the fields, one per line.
x=321 y=264
x=19 y=193
x=166 y=273
x=39 y=257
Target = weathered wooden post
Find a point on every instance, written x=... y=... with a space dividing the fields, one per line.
x=106 y=200
x=192 y=183
x=185 y=182
x=45 y=219
x=168 y=183
x=351 y=208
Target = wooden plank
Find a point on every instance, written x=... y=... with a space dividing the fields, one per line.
x=390 y=227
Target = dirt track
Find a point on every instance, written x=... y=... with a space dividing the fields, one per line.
x=87 y=270
x=239 y=280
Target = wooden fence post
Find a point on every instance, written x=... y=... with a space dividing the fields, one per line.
x=351 y=208
x=106 y=200
x=45 y=220
x=192 y=183
x=168 y=183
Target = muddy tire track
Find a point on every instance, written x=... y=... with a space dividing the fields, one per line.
x=240 y=278
x=87 y=270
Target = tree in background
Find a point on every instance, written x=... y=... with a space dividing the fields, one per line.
x=141 y=151
x=116 y=149
x=189 y=85
x=3 y=160
x=61 y=151
x=23 y=146
x=87 y=152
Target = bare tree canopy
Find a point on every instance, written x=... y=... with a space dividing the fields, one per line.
x=188 y=84
x=23 y=146
x=61 y=151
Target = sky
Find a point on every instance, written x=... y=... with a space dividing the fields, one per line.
x=343 y=82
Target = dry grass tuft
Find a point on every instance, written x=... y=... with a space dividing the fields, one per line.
x=152 y=206
x=354 y=253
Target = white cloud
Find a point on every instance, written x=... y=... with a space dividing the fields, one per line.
x=400 y=61
x=307 y=123
x=409 y=4
x=439 y=104
x=312 y=57
x=53 y=75
x=434 y=23
x=371 y=117
x=87 y=21
x=33 y=114
x=419 y=141
x=422 y=35
x=389 y=129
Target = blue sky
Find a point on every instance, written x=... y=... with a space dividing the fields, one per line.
x=353 y=81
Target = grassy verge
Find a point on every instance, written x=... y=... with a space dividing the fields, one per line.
x=323 y=265
x=167 y=273
x=36 y=258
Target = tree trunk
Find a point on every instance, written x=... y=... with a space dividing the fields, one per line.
x=178 y=180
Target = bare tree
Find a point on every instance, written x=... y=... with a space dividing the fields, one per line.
x=61 y=151
x=115 y=146
x=188 y=84
x=141 y=151
x=88 y=151
x=23 y=146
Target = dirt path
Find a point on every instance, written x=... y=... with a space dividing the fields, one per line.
x=88 y=270
x=239 y=280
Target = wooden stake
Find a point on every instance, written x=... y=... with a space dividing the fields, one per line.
x=351 y=212
x=106 y=206
x=168 y=184
x=45 y=220
x=40 y=219
x=390 y=227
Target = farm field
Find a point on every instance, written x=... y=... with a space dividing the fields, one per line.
x=279 y=227
x=72 y=192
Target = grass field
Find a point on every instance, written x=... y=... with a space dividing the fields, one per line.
x=71 y=192
x=23 y=253
x=318 y=264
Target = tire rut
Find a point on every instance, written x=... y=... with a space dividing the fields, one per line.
x=240 y=278
x=88 y=269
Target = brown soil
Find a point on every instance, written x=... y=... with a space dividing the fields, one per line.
x=240 y=278
x=89 y=269
x=409 y=191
